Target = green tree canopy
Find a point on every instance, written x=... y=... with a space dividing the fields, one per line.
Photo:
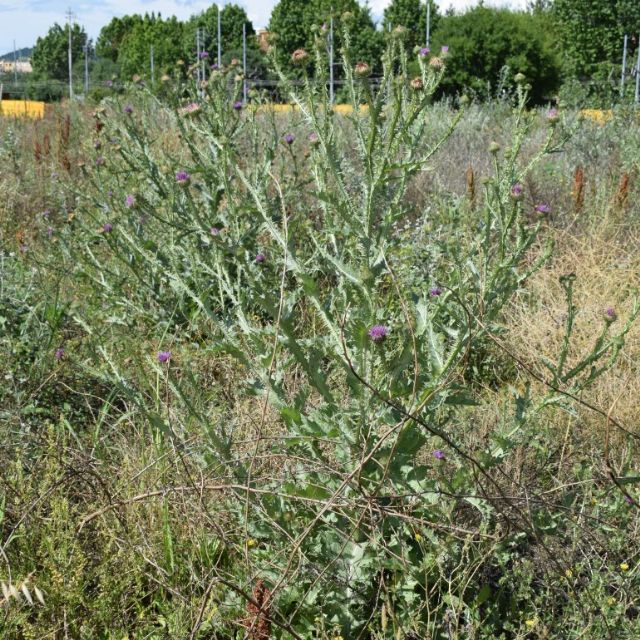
x=483 y=41
x=232 y=18
x=292 y=21
x=111 y=36
x=50 y=55
x=165 y=36
x=591 y=33
x=412 y=15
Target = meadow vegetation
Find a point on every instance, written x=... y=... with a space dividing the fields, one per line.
x=315 y=375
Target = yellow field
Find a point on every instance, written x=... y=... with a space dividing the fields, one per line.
x=22 y=108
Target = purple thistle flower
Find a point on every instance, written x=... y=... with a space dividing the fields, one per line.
x=314 y=140
x=59 y=354
x=130 y=201
x=434 y=292
x=183 y=178
x=289 y=138
x=214 y=231
x=610 y=314
x=629 y=500
x=553 y=116
x=107 y=227
x=164 y=356
x=128 y=109
x=260 y=258
x=438 y=454
x=517 y=191
x=214 y=67
x=424 y=52
x=378 y=333
x=204 y=55
x=445 y=48
x=543 y=208
x=237 y=105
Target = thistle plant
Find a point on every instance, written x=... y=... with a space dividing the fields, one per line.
x=276 y=245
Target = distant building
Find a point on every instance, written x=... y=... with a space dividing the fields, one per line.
x=263 y=39
x=21 y=66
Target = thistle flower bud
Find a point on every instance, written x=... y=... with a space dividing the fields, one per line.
x=299 y=57
x=517 y=192
x=436 y=63
x=553 y=116
x=610 y=315
x=519 y=78
x=494 y=147
x=417 y=84
x=362 y=70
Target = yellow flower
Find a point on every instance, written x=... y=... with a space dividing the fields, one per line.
x=624 y=566
x=611 y=601
x=251 y=542
x=568 y=573
x=418 y=537
x=532 y=622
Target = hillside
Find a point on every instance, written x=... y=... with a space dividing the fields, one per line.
x=21 y=54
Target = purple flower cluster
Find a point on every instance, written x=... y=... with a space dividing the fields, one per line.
x=289 y=138
x=378 y=333
x=214 y=231
x=438 y=454
x=59 y=354
x=130 y=201
x=424 y=52
x=434 y=292
x=260 y=258
x=183 y=178
x=164 y=356
x=237 y=105
x=517 y=191
x=543 y=209
x=204 y=55
x=128 y=109
x=107 y=227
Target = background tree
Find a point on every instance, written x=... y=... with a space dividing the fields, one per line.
x=484 y=40
x=111 y=36
x=166 y=37
x=290 y=28
x=50 y=55
x=412 y=15
x=232 y=19
x=591 y=33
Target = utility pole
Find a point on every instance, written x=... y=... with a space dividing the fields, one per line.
x=244 y=63
x=70 y=18
x=637 y=98
x=624 y=65
x=219 y=39
x=86 y=67
x=15 y=64
x=331 y=83
x=153 y=73
x=428 y=22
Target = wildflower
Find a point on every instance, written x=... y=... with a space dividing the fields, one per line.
x=568 y=573
x=100 y=161
x=128 y=109
x=417 y=84
x=362 y=70
x=251 y=542
x=191 y=109
x=314 y=140
x=214 y=67
x=107 y=227
x=378 y=333
x=532 y=622
x=204 y=55
x=629 y=500
x=299 y=56
x=50 y=232
x=611 y=601
x=46 y=213
x=130 y=201
x=214 y=231
x=436 y=63
x=517 y=191
x=444 y=49
x=519 y=78
x=183 y=178
x=552 y=116
x=610 y=315
x=164 y=356
x=289 y=138
x=543 y=209
x=237 y=105
x=418 y=537
x=434 y=292
x=108 y=83
x=59 y=354
x=624 y=567
x=424 y=52
x=165 y=78
x=438 y=454
x=260 y=258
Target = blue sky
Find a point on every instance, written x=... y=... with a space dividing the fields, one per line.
x=26 y=20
